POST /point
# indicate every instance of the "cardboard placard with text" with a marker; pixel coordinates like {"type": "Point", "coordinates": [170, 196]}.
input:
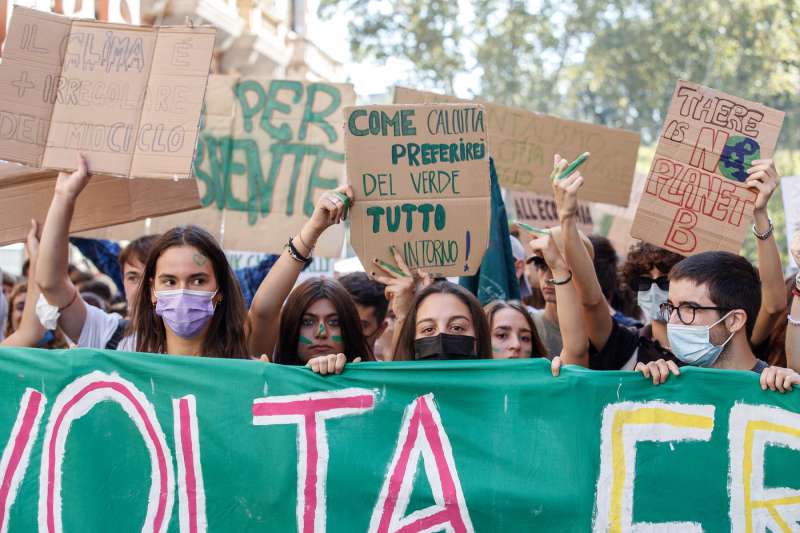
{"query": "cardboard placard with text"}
{"type": "Point", "coordinates": [128, 97]}
{"type": "Point", "coordinates": [523, 145]}
{"type": "Point", "coordinates": [694, 199]}
{"type": "Point", "coordinates": [540, 211]}
{"type": "Point", "coordinates": [420, 175]}
{"type": "Point", "coordinates": [268, 149]}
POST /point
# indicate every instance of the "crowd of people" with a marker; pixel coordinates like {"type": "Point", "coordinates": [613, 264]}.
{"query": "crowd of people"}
{"type": "Point", "coordinates": [176, 294]}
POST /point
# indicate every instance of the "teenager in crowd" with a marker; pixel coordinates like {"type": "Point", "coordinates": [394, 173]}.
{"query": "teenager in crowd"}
{"type": "Point", "coordinates": [370, 300]}
{"type": "Point", "coordinates": [547, 319]}
{"type": "Point", "coordinates": [513, 332]}
{"type": "Point", "coordinates": [606, 266]}
{"type": "Point", "coordinates": [124, 265]}
{"type": "Point", "coordinates": [189, 301]}
{"type": "Point", "coordinates": [615, 347]}
{"type": "Point", "coordinates": [714, 298]}
{"type": "Point", "coordinates": [320, 327]}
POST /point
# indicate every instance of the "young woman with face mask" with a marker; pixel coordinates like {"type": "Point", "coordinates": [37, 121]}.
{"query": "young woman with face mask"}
{"type": "Point", "coordinates": [319, 319]}
{"type": "Point", "coordinates": [189, 302]}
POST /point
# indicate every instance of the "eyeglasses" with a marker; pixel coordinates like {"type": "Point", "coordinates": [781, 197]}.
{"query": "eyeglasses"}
{"type": "Point", "coordinates": [537, 262]}
{"type": "Point", "coordinates": [643, 283]}
{"type": "Point", "coordinates": [686, 312]}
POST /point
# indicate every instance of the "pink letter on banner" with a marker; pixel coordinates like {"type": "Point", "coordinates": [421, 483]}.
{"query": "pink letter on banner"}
{"type": "Point", "coordinates": [422, 435]}
{"type": "Point", "coordinates": [17, 452]}
{"type": "Point", "coordinates": [309, 412]}
{"type": "Point", "coordinates": [77, 399]}
{"type": "Point", "coordinates": [191, 491]}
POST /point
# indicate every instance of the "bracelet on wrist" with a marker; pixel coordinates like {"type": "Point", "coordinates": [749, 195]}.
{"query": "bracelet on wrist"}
{"type": "Point", "coordinates": [295, 254]}
{"type": "Point", "coordinates": [767, 234]}
{"type": "Point", "coordinates": [793, 321]}
{"type": "Point", "coordinates": [553, 281]}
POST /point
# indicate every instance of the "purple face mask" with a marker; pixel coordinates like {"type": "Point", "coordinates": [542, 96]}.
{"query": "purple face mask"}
{"type": "Point", "coordinates": [185, 312]}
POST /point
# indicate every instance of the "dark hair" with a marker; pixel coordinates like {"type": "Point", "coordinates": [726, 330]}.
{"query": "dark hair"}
{"type": "Point", "coordinates": [98, 288]}
{"type": "Point", "coordinates": [138, 249]}
{"type": "Point", "coordinates": [493, 307]}
{"type": "Point", "coordinates": [298, 302]}
{"type": "Point", "coordinates": [56, 340]}
{"type": "Point", "coordinates": [18, 289]}
{"type": "Point", "coordinates": [644, 257]}
{"type": "Point", "coordinates": [227, 333]}
{"type": "Point", "coordinates": [367, 292]}
{"type": "Point", "coordinates": [405, 342]}
{"type": "Point", "coordinates": [772, 350]}
{"type": "Point", "coordinates": [605, 265]}
{"type": "Point", "coordinates": [731, 280]}
{"type": "Point", "coordinates": [79, 277]}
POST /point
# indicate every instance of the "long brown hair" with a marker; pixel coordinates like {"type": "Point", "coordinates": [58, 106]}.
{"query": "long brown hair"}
{"type": "Point", "coordinates": [227, 332]}
{"type": "Point", "coordinates": [298, 302]}
{"type": "Point", "coordinates": [493, 307]}
{"type": "Point", "coordinates": [483, 342]}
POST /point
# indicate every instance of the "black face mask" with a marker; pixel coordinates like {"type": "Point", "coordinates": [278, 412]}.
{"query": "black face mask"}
{"type": "Point", "coordinates": [444, 346]}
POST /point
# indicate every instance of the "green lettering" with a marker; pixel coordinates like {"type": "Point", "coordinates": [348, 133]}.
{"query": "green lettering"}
{"type": "Point", "coordinates": [408, 209]}
{"type": "Point", "coordinates": [351, 123]}
{"type": "Point", "coordinates": [282, 132]}
{"type": "Point", "coordinates": [248, 112]}
{"type": "Point", "coordinates": [375, 212]}
{"type": "Point", "coordinates": [318, 117]}
{"type": "Point", "coordinates": [439, 217]}
{"type": "Point", "coordinates": [425, 209]}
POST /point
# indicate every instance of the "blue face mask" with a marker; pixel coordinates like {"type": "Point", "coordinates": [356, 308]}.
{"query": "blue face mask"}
{"type": "Point", "coordinates": [692, 344]}
{"type": "Point", "coordinates": [650, 301]}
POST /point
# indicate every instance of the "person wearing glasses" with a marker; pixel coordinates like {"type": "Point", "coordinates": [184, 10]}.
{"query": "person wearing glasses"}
{"type": "Point", "coordinates": [714, 299]}
{"type": "Point", "coordinates": [615, 347]}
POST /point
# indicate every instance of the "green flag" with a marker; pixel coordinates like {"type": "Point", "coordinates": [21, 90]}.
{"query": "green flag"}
{"type": "Point", "coordinates": [496, 278]}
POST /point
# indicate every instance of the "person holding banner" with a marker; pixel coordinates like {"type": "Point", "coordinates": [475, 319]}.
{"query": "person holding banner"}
{"type": "Point", "coordinates": [190, 302]}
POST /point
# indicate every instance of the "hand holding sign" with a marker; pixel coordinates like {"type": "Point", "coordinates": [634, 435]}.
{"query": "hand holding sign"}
{"type": "Point", "coordinates": [763, 177]}
{"type": "Point", "coordinates": [401, 283]}
{"type": "Point", "coordinates": [72, 184]}
{"type": "Point", "coordinates": [330, 209]}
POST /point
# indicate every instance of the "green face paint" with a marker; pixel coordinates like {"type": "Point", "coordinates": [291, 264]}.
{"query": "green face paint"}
{"type": "Point", "coordinates": [305, 340]}
{"type": "Point", "coordinates": [337, 338]}
{"type": "Point", "coordinates": [495, 349]}
{"type": "Point", "coordinates": [321, 328]}
{"type": "Point", "coordinates": [391, 268]}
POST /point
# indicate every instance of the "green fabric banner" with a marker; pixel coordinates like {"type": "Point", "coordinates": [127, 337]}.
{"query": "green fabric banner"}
{"type": "Point", "coordinates": [117, 442]}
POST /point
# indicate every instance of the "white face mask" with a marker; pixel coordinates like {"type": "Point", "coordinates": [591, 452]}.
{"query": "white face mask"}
{"type": "Point", "coordinates": [692, 344]}
{"type": "Point", "coordinates": [649, 302]}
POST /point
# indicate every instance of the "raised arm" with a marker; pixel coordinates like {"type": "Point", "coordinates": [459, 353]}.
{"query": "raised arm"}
{"type": "Point", "coordinates": [30, 330]}
{"type": "Point", "coordinates": [273, 291]}
{"type": "Point", "coordinates": [52, 274]}
{"type": "Point", "coordinates": [593, 305]}
{"type": "Point", "coordinates": [570, 321]}
{"type": "Point", "coordinates": [793, 327]}
{"type": "Point", "coordinates": [763, 177]}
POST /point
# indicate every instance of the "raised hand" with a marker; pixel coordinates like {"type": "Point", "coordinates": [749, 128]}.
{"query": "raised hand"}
{"type": "Point", "coordinates": [332, 207]}
{"type": "Point", "coordinates": [566, 190]}
{"type": "Point", "coordinates": [71, 185]}
{"type": "Point", "coordinates": [763, 177]}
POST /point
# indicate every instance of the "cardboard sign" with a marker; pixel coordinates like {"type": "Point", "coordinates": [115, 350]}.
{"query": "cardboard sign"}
{"type": "Point", "coordinates": [790, 191]}
{"type": "Point", "coordinates": [540, 211]}
{"type": "Point", "coordinates": [268, 149]}
{"type": "Point", "coordinates": [420, 174]}
{"type": "Point", "coordinates": [694, 199]}
{"type": "Point", "coordinates": [128, 97]}
{"type": "Point", "coordinates": [107, 441]}
{"type": "Point", "coordinates": [523, 145]}
{"type": "Point", "coordinates": [105, 201]}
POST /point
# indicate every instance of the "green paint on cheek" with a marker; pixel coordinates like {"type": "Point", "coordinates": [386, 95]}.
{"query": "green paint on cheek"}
{"type": "Point", "coordinates": [305, 340]}
{"type": "Point", "coordinates": [337, 338]}
{"type": "Point", "coordinates": [495, 349]}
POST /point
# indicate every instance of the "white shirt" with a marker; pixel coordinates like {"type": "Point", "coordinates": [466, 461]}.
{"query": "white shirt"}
{"type": "Point", "coordinates": [100, 327]}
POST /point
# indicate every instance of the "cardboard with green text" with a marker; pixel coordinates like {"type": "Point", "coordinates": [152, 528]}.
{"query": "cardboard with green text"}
{"type": "Point", "coordinates": [420, 174]}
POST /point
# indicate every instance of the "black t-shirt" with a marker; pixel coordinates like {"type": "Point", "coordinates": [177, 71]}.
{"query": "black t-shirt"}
{"type": "Point", "coordinates": [760, 366]}
{"type": "Point", "coordinates": [623, 343]}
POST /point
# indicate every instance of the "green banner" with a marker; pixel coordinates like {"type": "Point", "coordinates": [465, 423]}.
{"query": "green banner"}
{"type": "Point", "coordinates": [117, 442]}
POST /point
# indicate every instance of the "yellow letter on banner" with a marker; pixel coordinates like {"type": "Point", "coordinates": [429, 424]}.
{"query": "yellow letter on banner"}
{"type": "Point", "coordinates": [754, 507]}
{"type": "Point", "coordinates": [625, 424]}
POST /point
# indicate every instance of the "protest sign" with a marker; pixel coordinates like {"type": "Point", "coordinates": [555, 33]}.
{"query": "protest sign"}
{"type": "Point", "coordinates": [268, 149]}
{"type": "Point", "coordinates": [105, 201]}
{"type": "Point", "coordinates": [127, 97]}
{"type": "Point", "coordinates": [109, 441]}
{"type": "Point", "coordinates": [540, 211]}
{"type": "Point", "coordinates": [790, 191]}
{"type": "Point", "coordinates": [420, 175]}
{"type": "Point", "coordinates": [523, 145]}
{"type": "Point", "coordinates": [694, 199]}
